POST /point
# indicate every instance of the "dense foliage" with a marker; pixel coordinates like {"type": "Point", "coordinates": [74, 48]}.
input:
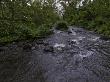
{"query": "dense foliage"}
{"type": "Point", "coordinates": [24, 19]}
{"type": "Point", "coordinates": [92, 15]}
{"type": "Point", "coordinates": [61, 25]}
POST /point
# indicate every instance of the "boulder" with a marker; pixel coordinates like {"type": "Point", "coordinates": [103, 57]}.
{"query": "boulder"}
{"type": "Point", "coordinates": [48, 49]}
{"type": "Point", "coordinates": [27, 47]}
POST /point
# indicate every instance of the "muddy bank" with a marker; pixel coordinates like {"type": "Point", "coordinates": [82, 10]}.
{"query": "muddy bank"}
{"type": "Point", "coordinates": [73, 56]}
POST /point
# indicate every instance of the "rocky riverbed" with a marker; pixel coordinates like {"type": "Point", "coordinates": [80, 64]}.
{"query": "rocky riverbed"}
{"type": "Point", "coordinates": [76, 55]}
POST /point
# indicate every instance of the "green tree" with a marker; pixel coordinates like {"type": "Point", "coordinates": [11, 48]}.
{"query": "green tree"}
{"type": "Point", "coordinates": [93, 15]}
{"type": "Point", "coordinates": [22, 18]}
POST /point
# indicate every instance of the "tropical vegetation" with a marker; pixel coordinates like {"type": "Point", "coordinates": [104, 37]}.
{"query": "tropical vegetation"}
{"type": "Point", "coordinates": [27, 19]}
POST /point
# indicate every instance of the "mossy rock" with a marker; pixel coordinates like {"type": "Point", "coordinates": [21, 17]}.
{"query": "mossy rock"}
{"type": "Point", "coordinates": [62, 25]}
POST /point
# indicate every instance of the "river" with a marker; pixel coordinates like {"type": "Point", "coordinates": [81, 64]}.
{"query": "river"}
{"type": "Point", "coordinates": [76, 55]}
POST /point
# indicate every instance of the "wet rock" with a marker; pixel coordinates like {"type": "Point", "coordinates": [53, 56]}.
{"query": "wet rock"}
{"type": "Point", "coordinates": [74, 41]}
{"type": "Point", "coordinates": [59, 32]}
{"type": "Point", "coordinates": [81, 38]}
{"type": "Point", "coordinates": [3, 49]}
{"type": "Point", "coordinates": [59, 47]}
{"type": "Point", "coordinates": [105, 38]}
{"type": "Point", "coordinates": [27, 47]}
{"type": "Point", "coordinates": [48, 49]}
{"type": "Point", "coordinates": [39, 42]}
{"type": "Point", "coordinates": [69, 32]}
{"type": "Point", "coordinates": [13, 46]}
{"type": "Point", "coordinates": [33, 48]}
{"type": "Point", "coordinates": [46, 44]}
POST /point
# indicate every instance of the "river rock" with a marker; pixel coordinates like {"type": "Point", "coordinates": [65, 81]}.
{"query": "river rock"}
{"type": "Point", "coordinates": [39, 42]}
{"type": "Point", "coordinates": [48, 49]}
{"type": "Point", "coordinates": [69, 32]}
{"type": "Point", "coordinates": [105, 38]}
{"type": "Point", "coordinates": [27, 47]}
{"type": "Point", "coordinates": [3, 49]}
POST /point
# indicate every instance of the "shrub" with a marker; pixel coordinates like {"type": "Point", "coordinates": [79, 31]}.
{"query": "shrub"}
{"type": "Point", "coordinates": [61, 25]}
{"type": "Point", "coordinates": [42, 31]}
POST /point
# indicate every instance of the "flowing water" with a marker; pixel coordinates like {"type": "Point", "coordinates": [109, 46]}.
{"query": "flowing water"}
{"type": "Point", "coordinates": [77, 55]}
